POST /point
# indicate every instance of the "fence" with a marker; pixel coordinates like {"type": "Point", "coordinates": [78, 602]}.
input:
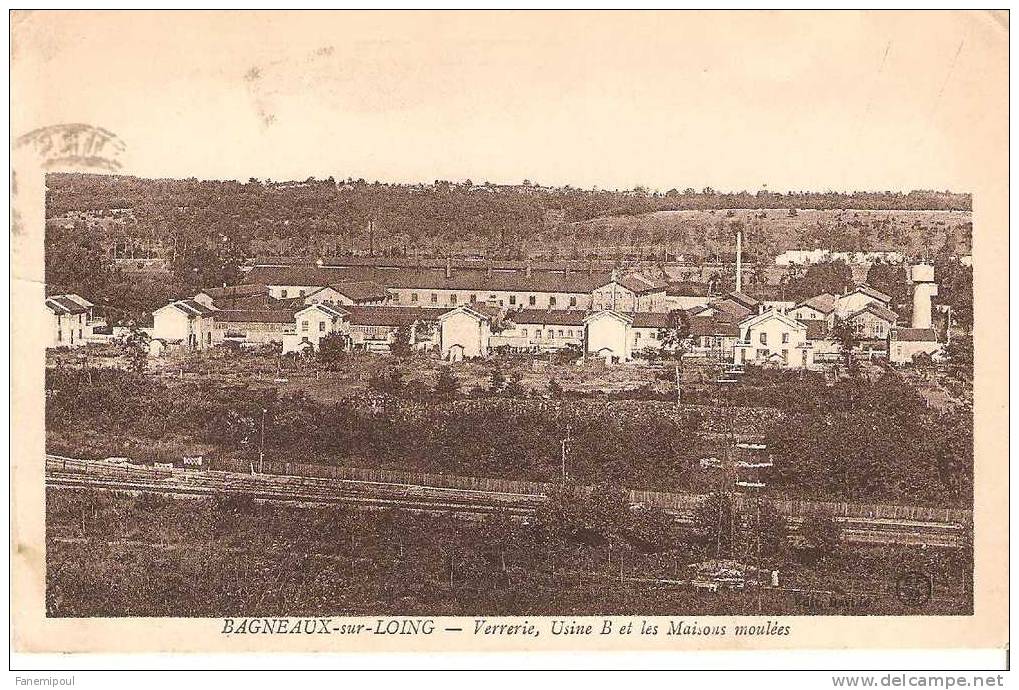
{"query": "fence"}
{"type": "Point", "coordinates": [683, 503]}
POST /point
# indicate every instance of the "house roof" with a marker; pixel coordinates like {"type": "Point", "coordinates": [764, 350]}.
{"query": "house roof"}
{"type": "Point", "coordinates": [189, 307]}
{"type": "Point", "coordinates": [878, 310]}
{"type": "Point", "coordinates": [639, 284]}
{"type": "Point", "coordinates": [686, 288]}
{"type": "Point", "coordinates": [254, 316]}
{"type": "Point", "coordinates": [872, 292]}
{"type": "Point", "coordinates": [770, 315]}
{"type": "Point", "coordinates": [390, 316]}
{"type": "Point", "coordinates": [478, 311]}
{"type": "Point", "coordinates": [548, 317]}
{"type": "Point", "coordinates": [707, 325]}
{"type": "Point", "coordinates": [925, 335]}
{"type": "Point", "coordinates": [817, 329]}
{"type": "Point", "coordinates": [824, 303]}
{"type": "Point", "coordinates": [430, 279]}
{"type": "Point", "coordinates": [361, 290]}
{"type": "Point", "coordinates": [743, 299]}
{"type": "Point", "coordinates": [610, 313]}
{"type": "Point", "coordinates": [644, 319]}
{"type": "Point", "coordinates": [242, 290]}
{"type": "Point", "coordinates": [63, 305]}
{"type": "Point", "coordinates": [328, 309]}
{"type": "Point", "coordinates": [730, 308]}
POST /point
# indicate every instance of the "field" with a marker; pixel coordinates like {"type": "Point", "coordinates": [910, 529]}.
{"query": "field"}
{"type": "Point", "coordinates": [119, 555]}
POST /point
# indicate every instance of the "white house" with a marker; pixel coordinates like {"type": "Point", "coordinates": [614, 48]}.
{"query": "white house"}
{"type": "Point", "coordinates": [774, 338]}
{"type": "Point", "coordinates": [312, 324]}
{"type": "Point", "coordinates": [854, 301]}
{"type": "Point", "coordinates": [874, 321]}
{"type": "Point", "coordinates": [69, 317]}
{"type": "Point", "coordinates": [464, 333]}
{"type": "Point", "coordinates": [362, 292]}
{"type": "Point", "coordinates": [630, 293]}
{"type": "Point", "coordinates": [542, 330]}
{"type": "Point", "coordinates": [818, 308]}
{"type": "Point", "coordinates": [905, 343]}
{"type": "Point", "coordinates": [186, 322]}
{"type": "Point", "coordinates": [608, 335]}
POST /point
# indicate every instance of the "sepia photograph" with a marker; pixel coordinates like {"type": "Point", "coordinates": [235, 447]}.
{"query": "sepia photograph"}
{"type": "Point", "coordinates": [452, 316]}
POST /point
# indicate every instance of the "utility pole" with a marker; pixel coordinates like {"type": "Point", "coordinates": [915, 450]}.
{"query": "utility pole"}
{"type": "Point", "coordinates": [679, 392]}
{"type": "Point", "coordinates": [261, 444]}
{"type": "Point", "coordinates": [565, 447]}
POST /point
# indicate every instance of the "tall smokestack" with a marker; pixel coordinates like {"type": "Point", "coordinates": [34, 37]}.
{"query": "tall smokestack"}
{"type": "Point", "coordinates": [924, 288]}
{"type": "Point", "coordinates": [739, 260]}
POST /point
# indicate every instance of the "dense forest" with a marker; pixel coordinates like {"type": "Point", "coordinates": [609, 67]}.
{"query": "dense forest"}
{"type": "Point", "coordinates": [191, 234]}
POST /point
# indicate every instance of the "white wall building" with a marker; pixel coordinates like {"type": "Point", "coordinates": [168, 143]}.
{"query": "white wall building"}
{"type": "Point", "coordinates": [776, 339]}
{"type": "Point", "coordinates": [186, 322]}
{"type": "Point", "coordinates": [69, 317]}
{"type": "Point", "coordinates": [464, 333]}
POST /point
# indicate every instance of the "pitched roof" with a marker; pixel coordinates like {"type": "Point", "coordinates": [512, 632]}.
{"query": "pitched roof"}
{"type": "Point", "coordinates": [743, 299]}
{"type": "Point", "coordinates": [190, 307]}
{"type": "Point", "coordinates": [242, 290]}
{"type": "Point", "coordinates": [548, 317]}
{"type": "Point", "coordinates": [643, 319]}
{"type": "Point", "coordinates": [925, 335]}
{"type": "Point", "coordinates": [707, 325]}
{"type": "Point", "coordinates": [330, 310]}
{"type": "Point", "coordinates": [730, 308]}
{"type": "Point", "coordinates": [772, 314]}
{"type": "Point", "coordinates": [426, 279]}
{"type": "Point", "coordinates": [608, 312]}
{"type": "Point", "coordinates": [254, 316]}
{"type": "Point", "coordinates": [872, 292]}
{"type": "Point", "coordinates": [686, 288]}
{"type": "Point", "coordinates": [361, 290]}
{"type": "Point", "coordinates": [640, 284]}
{"type": "Point", "coordinates": [390, 316]}
{"type": "Point", "coordinates": [817, 329]}
{"type": "Point", "coordinates": [876, 309]}
{"type": "Point", "coordinates": [62, 305]}
{"type": "Point", "coordinates": [824, 303]}
{"type": "Point", "coordinates": [474, 309]}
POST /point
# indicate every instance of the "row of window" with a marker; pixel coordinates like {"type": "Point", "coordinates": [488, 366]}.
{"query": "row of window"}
{"type": "Point", "coordinates": [764, 338]}
{"type": "Point", "coordinates": [551, 334]}
{"type": "Point", "coordinates": [532, 300]}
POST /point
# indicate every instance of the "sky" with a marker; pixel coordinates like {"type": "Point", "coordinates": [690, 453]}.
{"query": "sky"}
{"type": "Point", "coordinates": [790, 101]}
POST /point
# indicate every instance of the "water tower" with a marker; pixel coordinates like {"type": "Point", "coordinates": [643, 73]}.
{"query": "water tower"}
{"type": "Point", "coordinates": [924, 289]}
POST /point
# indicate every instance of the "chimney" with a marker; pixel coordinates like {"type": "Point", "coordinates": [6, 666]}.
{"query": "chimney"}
{"type": "Point", "coordinates": [739, 260]}
{"type": "Point", "coordinates": [924, 288]}
{"type": "Point", "coordinates": [488, 271]}
{"type": "Point", "coordinates": [449, 268]}
{"type": "Point", "coordinates": [528, 270]}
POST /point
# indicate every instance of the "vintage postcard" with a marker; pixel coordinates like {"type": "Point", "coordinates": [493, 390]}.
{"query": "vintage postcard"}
{"type": "Point", "coordinates": [493, 331]}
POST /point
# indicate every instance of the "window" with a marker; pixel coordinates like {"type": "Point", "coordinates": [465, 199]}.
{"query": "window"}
{"type": "Point", "coordinates": [531, 300]}
{"type": "Point", "coordinates": [79, 334]}
{"type": "Point", "coordinates": [304, 326]}
{"type": "Point", "coordinates": [560, 333]}
{"type": "Point", "coordinates": [764, 338]}
{"type": "Point", "coordinates": [301, 293]}
{"type": "Point", "coordinates": [569, 333]}
{"type": "Point", "coordinates": [413, 297]}
{"type": "Point", "coordinates": [785, 355]}
{"type": "Point", "coordinates": [803, 357]}
{"type": "Point", "coordinates": [573, 301]}
{"type": "Point", "coordinates": [637, 336]}
{"type": "Point", "coordinates": [396, 296]}
{"type": "Point", "coordinates": [551, 334]}
{"type": "Point", "coordinates": [513, 299]}
{"type": "Point", "coordinates": [60, 336]}
{"type": "Point", "coordinates": [785, 337]}
{"type": "Point", "coordinates": [283, 294]}
{"type": "Point", "coordinates": [322, 326]}
{"type": "Point", "coordinates": [452, 298]}
{"type": "Point", "coordinates": [525, 332]}
{"type": "Point", "coordinates": [474, 298]}
{"type": "Point", "coordinates": [435, 298]}
{"type": "Point", "coordinates": [551, 301]}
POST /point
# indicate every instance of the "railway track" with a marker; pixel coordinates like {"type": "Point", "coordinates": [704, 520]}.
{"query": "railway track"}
{"type": "Point", "coordinates": [72, 473]}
